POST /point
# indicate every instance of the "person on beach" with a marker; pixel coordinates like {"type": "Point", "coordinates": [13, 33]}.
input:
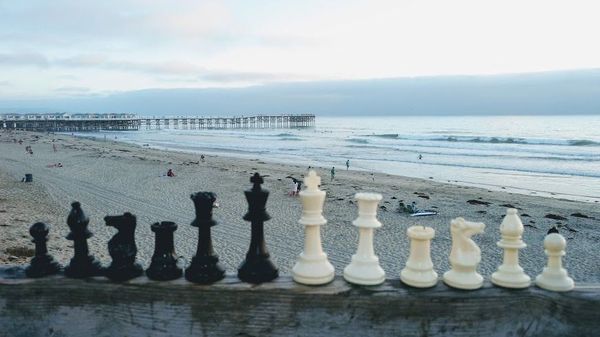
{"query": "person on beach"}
{"type": "Point", "coordinates": [332, 173]}
{"type": "Point", "coordinates": [347, 164]}
{"type": "Point", "coordinates": [170, 173]}
{"type": "Point", "coordinates": [202, 158]}
{"type": "Point", "coordinates": [420, 156]}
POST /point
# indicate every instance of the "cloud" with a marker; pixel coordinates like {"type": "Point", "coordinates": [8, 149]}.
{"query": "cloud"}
{"type": "Point", "coordinates": [23, 59]}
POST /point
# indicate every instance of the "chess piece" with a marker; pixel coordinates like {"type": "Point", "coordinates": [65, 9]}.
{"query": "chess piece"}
{"type": "Point", "coordinates": [205, 267]}
{"type": "Point", "coordinates": [82, 264]}
{"type": "Point", "coordinates": [257, 267]}
{"type": "Point", "coordinates": [419, 271]}
{"type": "Point", "coordinates": [163, 266]}
{"type": "Point", "coordinates": [122, 248]}
{"type": "Point", "coordinates": [554, 277]}
{"type": "Point", "coordinates": [464, 256]}
{"type": "Point", "coordinates": [364, 268]}
{"type": "Point", "coordinates": [510, 274]}
{"type": "Point", "coordinates": [42, 263]}
{"type": "Point", "coordinates": [312, 266]}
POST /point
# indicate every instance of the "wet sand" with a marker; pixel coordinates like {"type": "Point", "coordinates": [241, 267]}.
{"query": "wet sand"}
{"type": "Point", "coordinates": [112, 178]}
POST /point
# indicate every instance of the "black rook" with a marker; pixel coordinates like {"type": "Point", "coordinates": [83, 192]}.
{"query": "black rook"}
{"type": "Point", "coordinates": [122, 248]}
{"type": "Point", "coordinates": [164, 261]}
{"type": "Point", "coordinates": [257, 267]}
{"type": "Point", "coordinates": [205, 267]}
{"type": "Point", "coordinates": [42, 263]}
{"type": "Point", "coordinates": [82, 264]}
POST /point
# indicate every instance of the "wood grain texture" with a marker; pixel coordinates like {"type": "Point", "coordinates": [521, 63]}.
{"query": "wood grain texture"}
{"type": "Point", "coordinates": [57, 306]}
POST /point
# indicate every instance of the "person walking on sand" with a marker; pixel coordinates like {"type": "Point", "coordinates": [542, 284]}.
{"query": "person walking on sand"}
{"type": "Point", "coordinates": [170, 173]}
{"type": "Point", "coordinates": [54, 147]}
{"type": "Point", "coordinates": [347, 164]}
{"type": "Point", "coordinates": [332, 173]}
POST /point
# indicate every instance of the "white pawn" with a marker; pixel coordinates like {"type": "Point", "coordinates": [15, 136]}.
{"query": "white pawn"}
{"type": "Point", "coordinates": [364, 268]}
{"type": "Point", "coordinates": [464, 256]}
{"type": "Point", "coordinates": [419, 271]}
{"type": "Point", "coordinates": [510, 274]}
{"type": "Point", "coordinates": [312, 266]}
{"type": "Point", "coordinates": [555, 277]}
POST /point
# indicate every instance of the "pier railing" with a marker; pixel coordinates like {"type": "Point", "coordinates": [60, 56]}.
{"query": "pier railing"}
{"type": "Point", "coordinates": [128, 122]}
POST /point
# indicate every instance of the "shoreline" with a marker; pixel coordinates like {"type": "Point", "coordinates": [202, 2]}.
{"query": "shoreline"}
{"type": "Point", "coordinates": [116, 177]}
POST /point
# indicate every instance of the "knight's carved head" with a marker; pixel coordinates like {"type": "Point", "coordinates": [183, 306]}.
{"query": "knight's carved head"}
{"type": "Point", "coordinates": [120, 222]}
{"type": "Point", "coordinates": [466, 228]}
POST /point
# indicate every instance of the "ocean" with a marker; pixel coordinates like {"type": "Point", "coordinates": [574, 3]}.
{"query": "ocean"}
{"type": "Point", "coordinates": [556, 156]}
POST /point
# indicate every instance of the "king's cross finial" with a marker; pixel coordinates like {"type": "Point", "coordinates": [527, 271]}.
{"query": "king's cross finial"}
{"type": "Point", "coordinates": [312, 181]}
{"type": "Point", "coordinates": [257, 180]}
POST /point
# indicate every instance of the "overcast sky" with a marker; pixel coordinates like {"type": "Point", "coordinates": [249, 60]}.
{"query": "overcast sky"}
{"type": "Point", "coordinates": [63, 48]}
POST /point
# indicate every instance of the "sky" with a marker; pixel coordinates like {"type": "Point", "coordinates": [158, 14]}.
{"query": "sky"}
{"type": "Point", "coordinates": [72, 48]}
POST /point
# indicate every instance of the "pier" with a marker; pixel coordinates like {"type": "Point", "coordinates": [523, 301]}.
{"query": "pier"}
{"type": "Point", "coordinates": [131, 122]}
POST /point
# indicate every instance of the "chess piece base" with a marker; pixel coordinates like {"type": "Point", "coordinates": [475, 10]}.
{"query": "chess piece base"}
{"type": "Point", "coordinates": [123, 273]}
{"type": "Point", "coordinates": [419, 278]}
{"type": "Point", "coordinates": [315, 270]}
{"type": "Point", "coordinates": [204, 270]}
{"type": "Point", "coordinates": [516, 279]}
{"type": "Point", "coordinates": [364, 271]}
{"type": "Point", "coordinates": [554, 281]}
{"type": "Point", "coordinates": [164, 270]}
{"type": "Point", "coordinates": [84, 267]}
{"type": "Point", "coordinates": [463, 280]}
{"type": "Point", "coordinates": [257, 270]}
{"type": "Point", "coordinates": [42, 266]}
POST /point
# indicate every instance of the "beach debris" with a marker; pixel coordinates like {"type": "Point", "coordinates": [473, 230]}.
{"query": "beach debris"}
{"type": "Point", "coordinates": [525, 215]}
{"type": "Point", "coordinates": [257, 267]}
{"type": "Point", "coordinates": [581, 215]}
{"type": "Point", "coordinates": [478, 202]}
{"type": "Point", "coordinates": [553, 229]}
{"type": "Point", "coordinates": [83, 264]}
{"type": "Point", "coordinates": [554, 217]}
{"type": "Point", "coordinates": [205, 267]}
{"type": "Point", "coordinates": [163, 266]}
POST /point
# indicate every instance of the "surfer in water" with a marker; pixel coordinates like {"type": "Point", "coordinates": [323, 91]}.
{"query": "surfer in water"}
{"type": "Point", "coordinates": [420, 157]}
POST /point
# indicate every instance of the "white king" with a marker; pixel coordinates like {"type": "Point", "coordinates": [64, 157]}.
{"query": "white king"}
{"type": "Point", "coordinates": [510, 274]}
{"type": "Point", "coordinates": [312, 266]}
{"type": "Point", "coordinates": [464, 256]}
{"type": "Point", "coordinates": [364, 268]}
{"type": "Point", "coordinates": [419, 271]}
{"type": "Point", "coordinates": [555, 277]}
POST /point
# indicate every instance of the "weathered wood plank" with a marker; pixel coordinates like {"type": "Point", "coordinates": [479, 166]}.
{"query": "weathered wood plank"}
{"type": "Point", "coordinates": [57, 306]}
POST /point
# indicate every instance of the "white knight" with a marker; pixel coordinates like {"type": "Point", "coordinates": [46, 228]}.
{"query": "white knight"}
{"type": "Point", "coordinates": [464, 256]}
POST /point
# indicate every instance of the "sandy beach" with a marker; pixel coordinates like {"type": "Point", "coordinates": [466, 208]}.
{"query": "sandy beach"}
{"type": "Point", "coordinates": [108, 177]}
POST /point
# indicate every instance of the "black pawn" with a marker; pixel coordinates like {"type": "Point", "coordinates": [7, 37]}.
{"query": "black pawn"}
{"type": "Point", "coordinates": [42, 263]}
{"type": "Point", "coordinates": [164, 261]}
{"type": "Point", "coordinates": [122, 248]}
{"type": "Point", "coordinates": [257, 267]}
{"type": "Point", "coordinates": [82, 264]}
{"type": "Point", "coordinates": [205, 267]}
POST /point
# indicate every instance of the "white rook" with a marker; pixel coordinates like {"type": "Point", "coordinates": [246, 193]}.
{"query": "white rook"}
{"type": "Point", "coordinates": [419, 271]}
{"type": "Point", "coordinates": [464, 256]}
{"type": "Point", "coordinates": [510, 274]}
{"type": "Point", "coordinates": [555, 277]}
{"type": "Point", "coordinates": [312, 266]}
{"type": "Point", "coordinates": [364, 268]}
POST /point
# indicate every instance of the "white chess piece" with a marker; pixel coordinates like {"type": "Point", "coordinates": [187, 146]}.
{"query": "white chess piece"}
{"type": "Point", "coordinates": [464, 256]}
{"type": "Point", "coordinates": [364, 268]}
{"type": "Point", "coordinates": [419, 271]}
{"type": "Point", "coordinates": [510, 274]}
{"type": "Point", "coordinates": [555, 277]}
{"type": "Point", "coordinates": [312, 266]}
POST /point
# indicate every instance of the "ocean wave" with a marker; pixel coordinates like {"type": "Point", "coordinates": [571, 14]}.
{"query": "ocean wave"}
{"type": "Point", "coordinates": [583, 142]}
{"type": "Point", "coordinates": [384, 135]}
{"type": "Point", "coordinates": [358, 140]}
{"type": "Point", "coordinates": [291, 138]}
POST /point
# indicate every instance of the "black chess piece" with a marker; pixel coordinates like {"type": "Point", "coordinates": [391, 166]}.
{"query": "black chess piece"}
{"type": "Point", "coordinates": [122, 248]}
{"type": "Point", "coordinates": [205, 267]}
{"type": "Point", "coordinates": [82, 264]}
{"type": "Point", "coordinates": [164, 261]}
{"type": "Point", "coordinates": [42, 263]}
{"type": "Point", "coordinates": [257, 267]}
